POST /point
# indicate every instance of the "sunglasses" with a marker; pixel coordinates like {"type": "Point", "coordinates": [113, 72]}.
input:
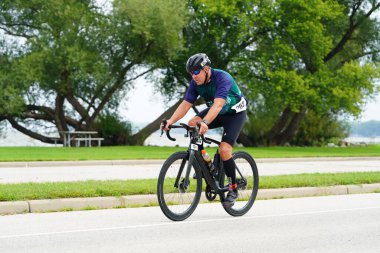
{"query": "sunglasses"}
{"type": "Point", "coordinates": [196, 72]}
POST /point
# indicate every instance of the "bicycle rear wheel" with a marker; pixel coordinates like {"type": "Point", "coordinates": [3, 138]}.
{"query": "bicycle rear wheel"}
{"type": "Point", "coordinates": [176, 198]}
{"type": "Point", "coordinates": [248, 183]}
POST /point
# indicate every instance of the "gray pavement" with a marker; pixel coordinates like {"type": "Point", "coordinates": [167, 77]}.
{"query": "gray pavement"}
{"type": "Point", "coordinates": [327, 224]}
{"type": "Point", "coordinates": [136, 169]}
{"type": "Point", "coordinates": [104, 170]}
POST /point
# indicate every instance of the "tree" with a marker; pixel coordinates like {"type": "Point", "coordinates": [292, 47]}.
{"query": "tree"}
{"type": "Point", "coordinates": [79, 59]}
{"type": "Point", "coordinates": [319, 56]}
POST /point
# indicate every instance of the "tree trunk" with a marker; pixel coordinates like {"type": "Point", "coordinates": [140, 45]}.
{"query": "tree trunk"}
{"type": "Point", "coordinates": [155, 125]}
{"type": "Point", "coordinates": [245, 140]}
{"type": "Point", "coordinates": [32, 134]}
{"type": "Point", "coordinates": [60, 114]}
{"type": "Point", "coordinates": [280, 124]}
{"type": "Point", "coordinates": [291, 129]}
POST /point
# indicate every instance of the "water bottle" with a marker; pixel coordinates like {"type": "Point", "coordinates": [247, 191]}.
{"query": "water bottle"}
{"type": "Point", "coordinates": [207, 159]}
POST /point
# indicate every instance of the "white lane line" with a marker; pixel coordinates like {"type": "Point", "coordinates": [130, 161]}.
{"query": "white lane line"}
{"type": "Point", "coordinates": [186, 222]}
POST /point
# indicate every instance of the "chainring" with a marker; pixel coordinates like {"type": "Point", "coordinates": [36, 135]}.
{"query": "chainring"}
{"type": "Point", "coordinates": [210, 193]}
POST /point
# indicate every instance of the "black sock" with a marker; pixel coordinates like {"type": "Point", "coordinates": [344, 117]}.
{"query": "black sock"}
{"type": "Point", "coordinates": [229, 168]}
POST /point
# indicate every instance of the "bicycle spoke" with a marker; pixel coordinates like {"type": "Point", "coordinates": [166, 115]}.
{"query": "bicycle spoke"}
{"type": "Point", "coordinates": [247, 180]}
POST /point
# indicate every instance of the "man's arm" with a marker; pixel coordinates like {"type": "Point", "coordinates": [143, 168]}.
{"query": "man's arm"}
{"type": "Point", "coordinates": [181, 111]}
{"type": "Point", "coordinates": [214, 110]}
{"type": "Point", "coordinates": [212, 113]}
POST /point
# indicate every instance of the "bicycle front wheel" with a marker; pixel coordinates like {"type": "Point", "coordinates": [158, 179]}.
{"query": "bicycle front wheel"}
{"type": "Point", "coordinates": [178, 197]}
{"type": "Point", "coordinates": [247, 178]}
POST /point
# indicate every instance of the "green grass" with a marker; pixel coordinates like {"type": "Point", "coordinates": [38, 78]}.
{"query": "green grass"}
{"type": "Point", "coordinates": [11, 154]}
{"type": "Point", "coordinates": [90, 188]}
{"type": "Point", "coordinates": [319, 179]}
{"type": "Point", "coordinates": [32, 191]}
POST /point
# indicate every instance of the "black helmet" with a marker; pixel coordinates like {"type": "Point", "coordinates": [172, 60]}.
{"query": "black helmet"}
{"type": "Point", "coordinates": [197, 61]}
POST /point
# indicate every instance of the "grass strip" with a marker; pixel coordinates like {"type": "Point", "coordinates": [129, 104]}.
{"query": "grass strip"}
{"type": "Point", "coordinates": [13, 154]}
{"type": "Point", "coordinates": [94, 188]}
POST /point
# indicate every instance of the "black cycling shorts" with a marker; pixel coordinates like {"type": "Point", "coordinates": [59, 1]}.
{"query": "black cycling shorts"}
{"type": "Point", "coordinates": [231, 123]}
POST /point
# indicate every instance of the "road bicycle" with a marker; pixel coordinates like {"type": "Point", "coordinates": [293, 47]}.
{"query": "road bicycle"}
{"type": "Point", "coordinates": [179, 184]}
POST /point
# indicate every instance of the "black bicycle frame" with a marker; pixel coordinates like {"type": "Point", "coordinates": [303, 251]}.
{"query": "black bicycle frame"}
{"type": "Point", "coordinates": [196, 158]}
{"type": "Point", "coordinates": [198, 162]}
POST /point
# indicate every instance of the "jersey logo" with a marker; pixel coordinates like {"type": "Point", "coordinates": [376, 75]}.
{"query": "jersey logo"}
{"type": "Point", "coordinates": [241, 106]}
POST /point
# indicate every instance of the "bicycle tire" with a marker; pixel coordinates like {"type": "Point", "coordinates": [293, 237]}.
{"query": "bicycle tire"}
{"type": "Point", "coordinates": [247, 196]}
{"type": "Point", "coordinates": [175, 202]}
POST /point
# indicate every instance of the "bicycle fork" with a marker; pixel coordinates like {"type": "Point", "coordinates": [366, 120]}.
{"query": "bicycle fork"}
{"type": "Point", "coordinates": [185, 182]}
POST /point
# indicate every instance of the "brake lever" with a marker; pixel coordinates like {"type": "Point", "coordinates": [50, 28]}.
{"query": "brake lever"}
{"type": "Point", "coordinates": [164, 122]}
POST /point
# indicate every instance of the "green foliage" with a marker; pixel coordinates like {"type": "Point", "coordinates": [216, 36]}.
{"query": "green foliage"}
{"type": "Point", "coordinates": [11, 97]}
{"type": "Point", "coordinates": [346, 89]}
{"type": "Point", "coordinates": [78, 59]}
{"type": "Point", "coordinates": [290, 65]}
{"type": "Point", "coordinates": [152, 26]}
{"type": "Point", "coordinates": [290, 61]}
{"type": "Point", "coordinates": [318, 130]}
{"type": "Point", "coordinates": [114, 130]}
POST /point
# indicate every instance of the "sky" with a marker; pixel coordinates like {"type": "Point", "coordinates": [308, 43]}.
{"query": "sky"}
{"type": "Point", "coordinates": [143, 104]}
{"type": "Point", "coordinates": [143, 99]}
{"type": "Point", "coordinates": [372, 110]}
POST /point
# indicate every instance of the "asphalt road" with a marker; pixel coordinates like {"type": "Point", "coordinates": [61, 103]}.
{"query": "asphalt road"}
{"type": "Point", "coordinates": [50, 172]}
{"type": "Point", "coordinates": [348, 223]}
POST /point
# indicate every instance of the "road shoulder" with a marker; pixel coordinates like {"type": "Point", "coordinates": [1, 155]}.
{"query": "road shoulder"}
{"type": "Point", "coordinates": [74, 204]}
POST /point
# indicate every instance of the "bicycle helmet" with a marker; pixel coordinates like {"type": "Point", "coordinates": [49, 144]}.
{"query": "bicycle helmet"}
{"type": "Point", "coordinates": [197, 61]}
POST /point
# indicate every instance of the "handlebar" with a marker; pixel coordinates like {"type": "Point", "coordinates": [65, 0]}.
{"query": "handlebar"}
{"type": "Point", "coordinates": [188, 128]}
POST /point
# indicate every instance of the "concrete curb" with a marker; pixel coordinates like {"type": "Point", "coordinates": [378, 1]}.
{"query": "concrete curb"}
{"type": "Point", "coordinates": [160, 162]}
{"type": "Point", "coordinates": [50, 205]}
{"type": "Point", "coordinates": [33, 206]}
{"type": "Point", "coordinates": [14, 207]}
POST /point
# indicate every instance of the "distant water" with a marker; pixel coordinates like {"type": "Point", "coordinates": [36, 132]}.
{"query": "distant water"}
{"type": "Point", "coordinates": [13, 139]}
{"type": "Point", "coordinates": [360, 139]}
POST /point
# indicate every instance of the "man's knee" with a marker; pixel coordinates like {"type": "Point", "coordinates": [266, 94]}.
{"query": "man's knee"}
{"type": "Point", "coordinates": [225, 151]}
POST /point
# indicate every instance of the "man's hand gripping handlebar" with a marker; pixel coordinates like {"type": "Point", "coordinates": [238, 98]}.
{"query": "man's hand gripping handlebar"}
{"type": "Point", "coordinates": [186, 127]}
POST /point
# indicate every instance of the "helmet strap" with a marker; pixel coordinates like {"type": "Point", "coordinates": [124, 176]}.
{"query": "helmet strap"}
{"type": "Point", "coordinates": [206, 77]}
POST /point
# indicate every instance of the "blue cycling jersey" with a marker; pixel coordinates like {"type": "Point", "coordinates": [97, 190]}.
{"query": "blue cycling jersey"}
{"type": "Point", "coordinates": [221, 85]}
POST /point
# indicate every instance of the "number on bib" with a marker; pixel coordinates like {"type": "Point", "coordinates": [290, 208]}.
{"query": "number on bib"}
{"type": "Point", "coordinates": [241, 106]}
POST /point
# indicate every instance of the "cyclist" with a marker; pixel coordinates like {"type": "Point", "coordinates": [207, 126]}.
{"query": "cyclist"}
{"type": "Point", "coordinates": [226, 108]}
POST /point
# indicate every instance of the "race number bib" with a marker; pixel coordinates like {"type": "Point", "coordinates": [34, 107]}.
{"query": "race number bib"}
{"type": "Point", "coordinates": [241, 106]}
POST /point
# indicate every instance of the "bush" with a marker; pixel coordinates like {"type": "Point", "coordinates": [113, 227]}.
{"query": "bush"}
{"type": "Point", "coordinates": [114, 131]}
{"type": "Point", "coordinates": [318, 130]}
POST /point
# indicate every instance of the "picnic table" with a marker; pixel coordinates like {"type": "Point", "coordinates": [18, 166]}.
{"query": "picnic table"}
{"type": "Point", "coordinates": [78, 136]}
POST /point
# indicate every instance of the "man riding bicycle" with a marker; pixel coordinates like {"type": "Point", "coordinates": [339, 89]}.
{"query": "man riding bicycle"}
{"type": "Point", "coordinates": [226, 108]}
